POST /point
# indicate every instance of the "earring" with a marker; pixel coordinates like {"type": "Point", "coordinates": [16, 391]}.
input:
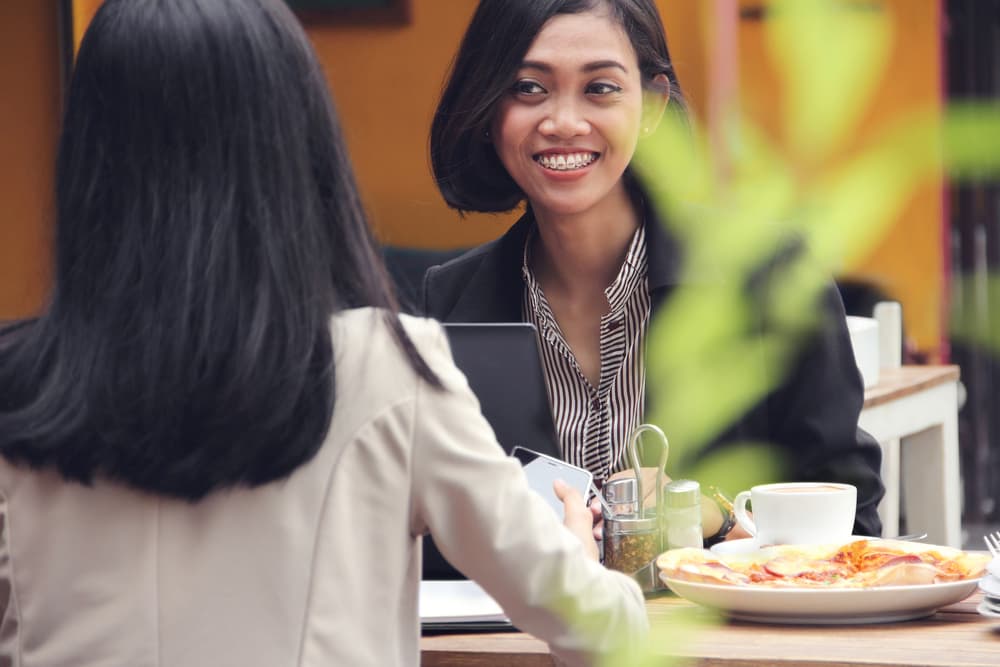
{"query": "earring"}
{"type": "Point", "coordinates": [486, 134]}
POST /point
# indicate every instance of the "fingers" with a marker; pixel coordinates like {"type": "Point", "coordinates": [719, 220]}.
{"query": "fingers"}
{"type": "Point", "coordinates": [711, 517]}
{"type": "Point", "coordinates": [573, 502]}
{"type": "Point", "coordinates": [578, 517]}
{"type": "Point", "coordinates": [595, 509]}
{"type": "Point", "coordinates": [737, 533]}
{"type": "Point", "coordinates": [621, 474]}
{"type": "Point", "coordinates": [563, 489]}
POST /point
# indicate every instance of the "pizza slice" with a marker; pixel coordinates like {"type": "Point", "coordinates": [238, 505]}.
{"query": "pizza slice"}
{"type": "Point", "coordinates": [862, 563]}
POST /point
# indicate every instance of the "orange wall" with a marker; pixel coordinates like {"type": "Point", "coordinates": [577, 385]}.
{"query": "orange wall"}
{"type": "Point", "coordinates": [29, 81]}
{"type": "Point", "coordinates": [386, 100]}
{"type": "Point", "coordinates": [386, 80]}
{"type": "Point", "coordinates": [908, 262]}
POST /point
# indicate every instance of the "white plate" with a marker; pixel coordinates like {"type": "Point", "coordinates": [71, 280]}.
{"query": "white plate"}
{"type": "Point", "coordinates": [990, 585]}
{"type": "Point", "coordinates": [994, 567]}
{"type": "Point", "coordinates": [840, 606]}
{"type": "Point", "coordinates": [988, 610]}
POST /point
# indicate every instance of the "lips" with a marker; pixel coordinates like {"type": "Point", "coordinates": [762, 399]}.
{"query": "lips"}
{"type": "Point", "coordinates": [566, 160]}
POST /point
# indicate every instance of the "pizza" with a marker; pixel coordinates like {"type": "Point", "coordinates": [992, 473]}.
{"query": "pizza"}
{"type": "Point", "coordinates": [863, 563]}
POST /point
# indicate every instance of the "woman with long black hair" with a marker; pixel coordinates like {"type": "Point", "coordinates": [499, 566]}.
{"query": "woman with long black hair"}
{"type": "Point", "coordinates": [220, 443]}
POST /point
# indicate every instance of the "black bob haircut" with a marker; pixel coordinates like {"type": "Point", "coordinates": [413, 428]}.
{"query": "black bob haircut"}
{"type": "Point", "coordinates": [468, 171]}
{"type": "Point", "coordinates": [207, 227]}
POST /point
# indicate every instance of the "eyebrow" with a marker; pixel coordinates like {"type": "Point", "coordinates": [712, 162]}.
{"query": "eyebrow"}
{"type": "Point", "coordinates": [588, 67]}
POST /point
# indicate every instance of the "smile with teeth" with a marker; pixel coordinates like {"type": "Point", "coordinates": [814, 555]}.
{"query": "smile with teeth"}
{"type": "Point", "coordinates": [566, 161]}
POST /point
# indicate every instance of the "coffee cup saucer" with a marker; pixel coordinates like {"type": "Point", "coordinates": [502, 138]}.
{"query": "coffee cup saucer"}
{"type": "Point", "coordinates": [746, 545]}
{"type": "Point", "coordinates": [749, 545]}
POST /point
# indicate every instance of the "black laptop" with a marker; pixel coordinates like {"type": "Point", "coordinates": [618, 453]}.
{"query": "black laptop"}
{"type": "Point", "coordinates": [504, 370]}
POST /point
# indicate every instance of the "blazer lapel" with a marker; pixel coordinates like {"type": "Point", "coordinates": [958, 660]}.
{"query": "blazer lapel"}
{"type": "Point", "coordinates": [495, 290]}
{"type": "Point", "coordinates": [664, 258]}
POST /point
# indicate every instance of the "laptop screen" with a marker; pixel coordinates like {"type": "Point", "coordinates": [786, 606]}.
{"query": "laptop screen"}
{"type": "Point", "coordinates": [504, 370]}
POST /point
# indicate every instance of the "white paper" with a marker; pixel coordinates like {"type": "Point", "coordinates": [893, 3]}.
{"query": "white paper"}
{"type": "Point", "coordinates": [457, 602]}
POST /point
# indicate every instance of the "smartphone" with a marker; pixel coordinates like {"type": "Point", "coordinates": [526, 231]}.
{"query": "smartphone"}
{"type": "Point", "coordinates": [542, 471]}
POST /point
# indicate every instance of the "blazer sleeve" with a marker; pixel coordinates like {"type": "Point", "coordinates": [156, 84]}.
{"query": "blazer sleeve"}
{"type": "Point", "coordinates": [496, 530]}
{"type": "Point", "coordinates": [814, 415]}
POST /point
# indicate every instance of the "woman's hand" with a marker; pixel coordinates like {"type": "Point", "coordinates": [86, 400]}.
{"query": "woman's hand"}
{"type": "Point", "coordinates": [712, 521]}
{"type": "Point", "coordinates": [579, 518]}
{"type": "Point", "coordinates": [595, 509]}
{"type": "Point", "coordinates": [737, 533]}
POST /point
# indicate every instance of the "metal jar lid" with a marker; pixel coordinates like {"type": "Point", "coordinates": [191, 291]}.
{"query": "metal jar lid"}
{"type": "Point", "coordinates": [620, 490]}
{"type": "Point", "coordinates": [682, 493]}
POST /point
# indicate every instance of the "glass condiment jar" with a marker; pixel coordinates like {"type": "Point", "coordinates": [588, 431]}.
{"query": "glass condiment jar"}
{"type": "Point", "coordinates": [630, 541]}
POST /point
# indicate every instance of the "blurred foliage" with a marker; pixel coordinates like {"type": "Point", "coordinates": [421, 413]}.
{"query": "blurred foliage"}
{"type": "Point", "coordinates": [735, 206]}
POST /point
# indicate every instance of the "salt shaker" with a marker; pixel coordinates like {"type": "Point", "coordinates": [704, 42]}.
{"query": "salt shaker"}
{"type": "Point", "coordinates": [682, 514]}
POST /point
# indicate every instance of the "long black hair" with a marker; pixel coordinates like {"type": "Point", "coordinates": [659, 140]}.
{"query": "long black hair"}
{"type": "Point", "coordinates": [208, 226]}
{"type": "Point", "coordinates": [468, 171]}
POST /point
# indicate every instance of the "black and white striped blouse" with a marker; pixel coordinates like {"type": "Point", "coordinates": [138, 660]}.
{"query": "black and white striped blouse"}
{"type": "Point", "coordinates": [594, 423]}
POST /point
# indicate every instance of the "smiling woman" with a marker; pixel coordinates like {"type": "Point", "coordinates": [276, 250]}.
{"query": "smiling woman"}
{"type": "Point", "coordinates": [568, 127]}
{"type": "Point", "coordinates": [554, 119]}
{"type": "Point", "coordinates": [546, 104]}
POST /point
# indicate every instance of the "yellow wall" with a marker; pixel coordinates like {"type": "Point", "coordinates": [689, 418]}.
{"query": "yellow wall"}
{"type": "Point", "coordinates": [386, 80]}
{"type": "Point", "coordinates": [909, 262]}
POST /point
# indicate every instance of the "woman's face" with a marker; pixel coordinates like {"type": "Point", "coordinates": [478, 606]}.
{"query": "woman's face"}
{"type": "Point", "coordinates": [568, 127]}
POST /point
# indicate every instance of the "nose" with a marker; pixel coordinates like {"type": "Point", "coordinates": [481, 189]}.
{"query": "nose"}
{"type": "Point", "coordinates": [564, 119]}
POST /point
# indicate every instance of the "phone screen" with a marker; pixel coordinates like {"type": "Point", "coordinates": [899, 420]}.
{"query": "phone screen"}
{"type": "Point", "coordinates": [542, 471]}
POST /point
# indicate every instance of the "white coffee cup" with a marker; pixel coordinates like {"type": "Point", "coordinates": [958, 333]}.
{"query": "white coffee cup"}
{"type": "Point", "coordinates": [798, 512]}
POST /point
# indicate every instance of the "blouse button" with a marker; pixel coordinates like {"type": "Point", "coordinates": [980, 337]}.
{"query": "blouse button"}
{"type": "Point", "coordinates": [614, 324]}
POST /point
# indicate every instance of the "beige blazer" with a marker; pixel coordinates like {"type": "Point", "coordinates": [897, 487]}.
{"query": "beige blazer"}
{"type": "Point", "coordinates": [319, 569]}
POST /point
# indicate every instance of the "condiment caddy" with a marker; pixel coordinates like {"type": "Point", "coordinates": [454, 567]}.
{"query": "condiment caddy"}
{"type": "Point", "coordinates": [634, 535]}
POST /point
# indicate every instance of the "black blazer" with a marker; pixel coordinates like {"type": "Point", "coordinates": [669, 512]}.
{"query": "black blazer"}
{"type": "Point", "coordinates": [812, 415]}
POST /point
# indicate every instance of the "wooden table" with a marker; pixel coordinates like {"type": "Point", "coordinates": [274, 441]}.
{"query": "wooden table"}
{"type": "Point", "coordinates": [913, 413]}
{"type": "Point", "coordinates": [956, 636]}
